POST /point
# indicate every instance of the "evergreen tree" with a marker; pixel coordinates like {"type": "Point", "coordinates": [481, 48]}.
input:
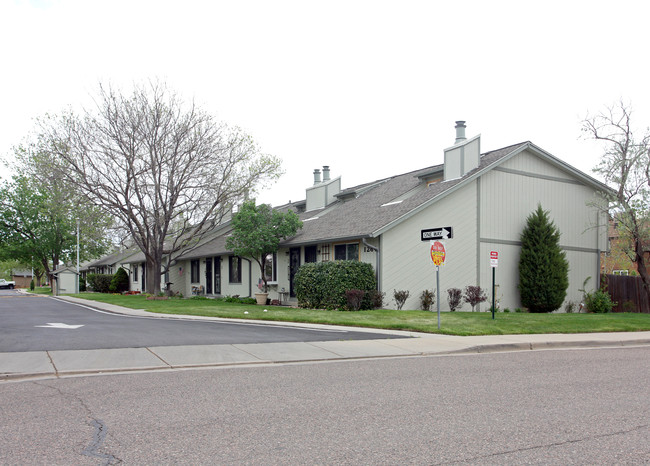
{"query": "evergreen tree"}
{"type": "Point", "coordinates": [543, 268]}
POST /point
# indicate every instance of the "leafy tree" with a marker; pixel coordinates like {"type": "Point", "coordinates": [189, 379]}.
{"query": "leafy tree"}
{"type": "Point", "coordinates": [164, 168]}
{"type": "Point", "coordinates": [543, 268]}
{"type": "Point", "coordinates": [625, 165]}
{"type": "Point", "coordinates": [38, 224]}
{"type": "Point", "coordinates": [257, 232]}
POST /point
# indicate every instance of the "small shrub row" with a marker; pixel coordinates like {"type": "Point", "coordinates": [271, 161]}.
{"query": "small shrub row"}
{"type": "Point", "coordinates": [472, 295]}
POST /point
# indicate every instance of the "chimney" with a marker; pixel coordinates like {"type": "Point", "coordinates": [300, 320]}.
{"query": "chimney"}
{"type": "Point", "coordinates": [326, 173]}
{"type": "Point", "coordinates": [316, 176]}
{"type": "Point", "coordinates": [460, 131]}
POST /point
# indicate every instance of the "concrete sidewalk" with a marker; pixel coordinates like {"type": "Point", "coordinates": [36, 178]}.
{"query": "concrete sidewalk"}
{"type": "Point", "coordinates": [66, 363]}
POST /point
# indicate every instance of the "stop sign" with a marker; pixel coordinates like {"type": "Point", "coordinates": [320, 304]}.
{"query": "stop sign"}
{"type": "Point", "coordinates": [438, 253]}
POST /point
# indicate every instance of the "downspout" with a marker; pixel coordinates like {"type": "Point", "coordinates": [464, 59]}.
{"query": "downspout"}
{"type": "Point", "coordinates": [378, 259]}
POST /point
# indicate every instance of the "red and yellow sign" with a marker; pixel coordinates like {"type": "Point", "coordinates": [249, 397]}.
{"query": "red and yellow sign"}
{"type": "Point", "coordinates": [438, 253]}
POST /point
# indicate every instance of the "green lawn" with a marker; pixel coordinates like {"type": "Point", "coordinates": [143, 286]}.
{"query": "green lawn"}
{"type": "Point", "coordinates": [452, 323]}
{"type": "Point", "coordinates": [41, 290]}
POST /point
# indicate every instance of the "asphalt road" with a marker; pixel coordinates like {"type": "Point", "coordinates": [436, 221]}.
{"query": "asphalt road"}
{"type": "Point", "coordinates": [543, 407]}
{"type": "Point", "coordinates": [31, 323]}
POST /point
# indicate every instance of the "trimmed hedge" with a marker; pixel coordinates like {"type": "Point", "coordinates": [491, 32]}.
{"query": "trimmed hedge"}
{"type": "Point", "coordinates": [323, 285]}
{"type": "Point", "coordinates": [99, 282]}
{"type": "Point", "coordinates": [120, 281]}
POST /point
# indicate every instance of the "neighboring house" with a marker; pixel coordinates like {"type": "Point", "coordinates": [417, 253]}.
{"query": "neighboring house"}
{"type": "Point", "coordinates": [484, 198]}
{"type": "Point", "coordinates": [64, 280]}
{"type": "Point", "coordinates": [23, 278]}
{"type": "Point", "coordinates": [616, 260]}
{"type": "Point", "coordinates": [108, 264]}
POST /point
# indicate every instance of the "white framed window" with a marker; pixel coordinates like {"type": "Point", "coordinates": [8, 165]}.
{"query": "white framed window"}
{"type": "Point", "coordinates": [346, 252]}
{"type": "Point", "coordinates": [621, 272]}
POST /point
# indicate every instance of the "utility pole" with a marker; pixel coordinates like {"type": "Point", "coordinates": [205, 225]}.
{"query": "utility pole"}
{"type": "Point", "coordinates": [77, 281]}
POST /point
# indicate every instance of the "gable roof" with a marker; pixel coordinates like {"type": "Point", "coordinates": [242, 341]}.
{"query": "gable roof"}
{"type": "Point", "coordinates": [378, 206]}
{"type": "Point", "coordinates": [370, 209]}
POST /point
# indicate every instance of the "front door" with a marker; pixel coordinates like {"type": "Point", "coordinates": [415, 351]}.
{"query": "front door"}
{"type": "Point", "coordinates": [208, 275]}
{"type": "Point", "coordinates": [294, 265]}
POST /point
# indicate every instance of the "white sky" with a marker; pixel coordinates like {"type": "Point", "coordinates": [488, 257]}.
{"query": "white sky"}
{"type": "Point", "coordinates": [371, 88]}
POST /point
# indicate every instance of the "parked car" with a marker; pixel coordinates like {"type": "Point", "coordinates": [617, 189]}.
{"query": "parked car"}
{"type": "Point", "coordinates": [7, 284]}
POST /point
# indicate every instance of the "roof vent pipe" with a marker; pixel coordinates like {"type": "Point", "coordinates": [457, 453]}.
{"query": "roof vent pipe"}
{"type": "Point", "coordinates": [316, 176]}
{"type": "Point", "coordinates": [326, 173]}
{"type": "Point", "coordinates": [460, 131]}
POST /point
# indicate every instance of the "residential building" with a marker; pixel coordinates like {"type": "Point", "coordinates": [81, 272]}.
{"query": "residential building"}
{"type": "Point", "coordinates": [484, 198]}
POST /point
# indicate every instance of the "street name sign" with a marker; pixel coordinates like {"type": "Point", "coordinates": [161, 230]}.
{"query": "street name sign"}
{"type": "Point", "coordinates": [436, 233]}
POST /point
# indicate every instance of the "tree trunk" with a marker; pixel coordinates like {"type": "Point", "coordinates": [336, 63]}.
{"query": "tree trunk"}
{"type": "Point", "coordinates": [152, 279]}
{"type": "Point", "coordinates": [641, 266]}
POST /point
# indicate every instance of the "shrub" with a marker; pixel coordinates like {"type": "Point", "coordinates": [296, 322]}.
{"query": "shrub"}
{"type": "Point", "coordinates": [454, 298]}
{"type": "Point", "coordinates": [400, 298]}
{"type": "Point", "coordinates": [82, 285]}
{"type": "Point", "coordinates": [427, 299]}
{"type": "Point", "coordinates": [323, 284]}
{"type": "Point", "coordinates": [376, 299]}
{"type": "Point", "coordinates": [570, 307]}
{"type": "Point", "coordinates": [100, 282]}
{"type": "Point", "coordinates": [31, 285]}
{"type": "Point", "coordinates": [354, 299]}
{"type": "Point", "coordinates": [598, 301]}
{"type": "Point", "coordinates": [474, 295]}
{"type": "Point", "coordinates": [543, 267]}
{"type": "Point", "coordinates": [120, 281]}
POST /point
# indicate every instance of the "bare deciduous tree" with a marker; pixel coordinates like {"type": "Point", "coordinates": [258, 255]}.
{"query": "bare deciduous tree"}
{"type": "Point", "coordinates": [167, 170]}
{"type": "Point", "coordinates": [625, 165]}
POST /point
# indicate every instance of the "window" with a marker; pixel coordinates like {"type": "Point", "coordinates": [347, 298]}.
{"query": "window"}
{"type": "Point", "coordinates": [346, 252]}
{"type": "Point", "coordinates": [134, 273]}
{"type": "Point", "coordinates": [271, 268]}
{"type": "Point", "coordinates": [194, 271]}
{"type": "Point", "coordinates": [325, 252]}
{"type": "Point", "coordinates": [234, 269]}
{"type": "Point", "coordinates": [621, 272]}
{"type": "Point", "coordinates": [311, 254]}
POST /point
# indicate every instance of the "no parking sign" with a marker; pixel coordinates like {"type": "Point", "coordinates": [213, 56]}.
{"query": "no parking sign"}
{"type": "Point", "coordinates": [438, 253]}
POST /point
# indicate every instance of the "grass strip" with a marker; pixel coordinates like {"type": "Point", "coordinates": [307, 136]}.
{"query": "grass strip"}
{"type": "Point", "coordinates": [452, 323]}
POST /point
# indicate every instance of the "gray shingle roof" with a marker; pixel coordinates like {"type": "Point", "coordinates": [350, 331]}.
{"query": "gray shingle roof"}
{"type": "Point", "coordinates": [383, 203]}
{"type": "Point", "coordinates": [368, 209]}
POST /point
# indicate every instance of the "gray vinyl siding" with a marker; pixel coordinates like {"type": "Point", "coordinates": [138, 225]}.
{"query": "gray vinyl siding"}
{"type": "Point", "coordinates": [405, 259]}
{"type": "Point", "coordinates": [509, 194]}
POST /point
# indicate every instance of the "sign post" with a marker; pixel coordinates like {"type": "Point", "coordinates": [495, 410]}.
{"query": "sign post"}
{"type": "Point", "coordinates": [494, 263]}
{"type": "Point", "coordinates": [438, 256]}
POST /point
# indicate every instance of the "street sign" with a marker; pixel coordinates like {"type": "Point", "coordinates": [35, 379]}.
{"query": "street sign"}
{"type": "Point", "coordinates": [494, 258]}
{"type": "Point", "coordinates": [438, 253]}
{"type": "Point", "coordinates": [436, 233]}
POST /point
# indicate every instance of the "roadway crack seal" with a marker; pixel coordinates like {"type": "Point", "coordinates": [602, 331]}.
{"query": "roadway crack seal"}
{"type": "Point", "coordinates": [552, 444]}
{"type": "Point", "coordinates": [100, 429]}
{"type": "Point", "coordinates": [56, 371]}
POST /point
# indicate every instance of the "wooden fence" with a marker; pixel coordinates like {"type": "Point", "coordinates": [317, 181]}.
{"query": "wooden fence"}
{"type": "Point", "coordinates": [628, 293]}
